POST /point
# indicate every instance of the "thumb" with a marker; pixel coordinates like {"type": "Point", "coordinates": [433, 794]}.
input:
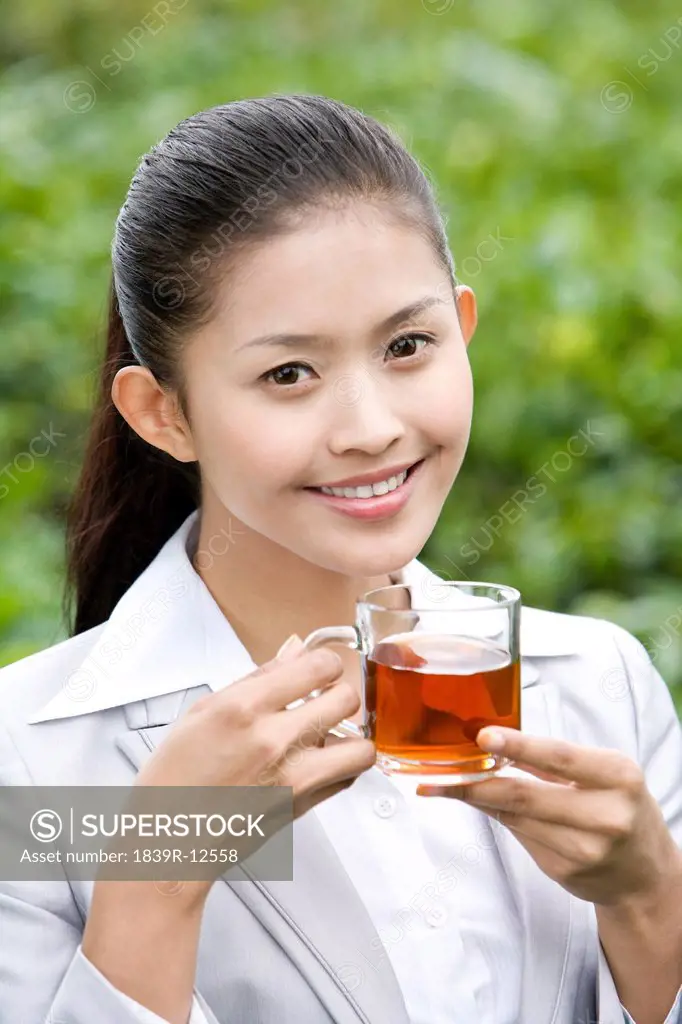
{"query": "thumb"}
{"type": "Point", "coordinates": [291, 647]}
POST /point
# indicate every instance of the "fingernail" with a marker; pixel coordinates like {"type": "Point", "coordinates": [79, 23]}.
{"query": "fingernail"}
{"type": "Point", "coordinates": [491, 739]}
{"type": "Point", "coordinates": [291, 646]}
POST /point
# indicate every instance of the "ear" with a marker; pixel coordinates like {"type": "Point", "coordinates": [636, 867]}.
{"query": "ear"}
{"type": "Point", "coordinates": [468, 313]}
{"type": "Point", "coordinates": [152, 412]}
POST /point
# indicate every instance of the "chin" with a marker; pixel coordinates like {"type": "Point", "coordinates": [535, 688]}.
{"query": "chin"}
{"type": "Point", "coordinates": [381, 557]}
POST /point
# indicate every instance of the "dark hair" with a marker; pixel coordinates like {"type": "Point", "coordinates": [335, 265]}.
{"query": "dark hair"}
{"type": "Point", "coordinates": [221, 180]}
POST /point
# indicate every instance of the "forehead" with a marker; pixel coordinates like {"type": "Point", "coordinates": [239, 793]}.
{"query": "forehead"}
{"type": "Point", "coordinates": [356, 264]}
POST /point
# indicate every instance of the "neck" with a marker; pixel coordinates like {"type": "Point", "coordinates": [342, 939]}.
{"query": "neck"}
{"type": "Point", "coordinates": [268, 592]}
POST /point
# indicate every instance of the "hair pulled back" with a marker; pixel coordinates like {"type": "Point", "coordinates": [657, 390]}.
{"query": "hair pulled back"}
{"type": "Point", "coordinates": [220, 181]}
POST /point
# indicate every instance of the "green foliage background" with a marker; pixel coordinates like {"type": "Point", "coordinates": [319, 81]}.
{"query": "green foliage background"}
{"type": "Point", "coordinates": [554, 128]}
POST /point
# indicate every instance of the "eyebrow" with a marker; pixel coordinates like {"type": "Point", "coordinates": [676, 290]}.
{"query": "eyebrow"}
{"type": "Point", "coordinates": [405, 314]}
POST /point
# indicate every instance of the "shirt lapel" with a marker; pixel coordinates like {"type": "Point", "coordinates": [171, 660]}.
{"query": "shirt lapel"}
{"type": "Point", "coordinates": [318, 919]}
{"type": "Point", "coordinates": [156, 642]}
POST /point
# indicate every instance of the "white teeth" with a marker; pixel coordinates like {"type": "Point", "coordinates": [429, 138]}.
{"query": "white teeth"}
{"type": "Point", "coordinates": [368, 490]}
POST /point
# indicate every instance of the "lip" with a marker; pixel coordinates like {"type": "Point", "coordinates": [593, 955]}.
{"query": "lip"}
{"type": "Point", "coordinates": [371, 478]}
{"type": "Point", "coordinates": [382, 506]}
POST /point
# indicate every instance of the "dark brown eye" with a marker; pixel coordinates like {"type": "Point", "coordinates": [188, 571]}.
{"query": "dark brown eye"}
{"type": "Point", "coordinates": [406, 344]}
{"type": "Point", "coordinates": [280, 373]}
{"type": "Point", "coordinates": [284, 374]}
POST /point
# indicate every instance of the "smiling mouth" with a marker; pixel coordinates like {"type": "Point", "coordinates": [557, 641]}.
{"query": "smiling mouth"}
{"type": "Point", "coordinates": [368, 491]}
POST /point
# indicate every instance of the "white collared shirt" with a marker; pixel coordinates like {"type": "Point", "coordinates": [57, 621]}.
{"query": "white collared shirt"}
{"type": "Point", "coordinates": [427, 869]}
{"type": "Point", "coordinates": [430, 876]}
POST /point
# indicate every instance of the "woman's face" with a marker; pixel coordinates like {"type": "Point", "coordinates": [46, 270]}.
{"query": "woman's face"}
{"type": "Point", "coordinates": [300, 381]}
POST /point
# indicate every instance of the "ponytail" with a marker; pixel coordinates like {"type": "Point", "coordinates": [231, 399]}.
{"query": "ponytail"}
{"type": "Point", "coordinates": [129, 499]}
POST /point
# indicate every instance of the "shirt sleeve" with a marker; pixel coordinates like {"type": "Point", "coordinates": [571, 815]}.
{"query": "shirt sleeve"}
{"type": "Point", "coordinates": [674, 1017]}
{"type": "Point", "coordinates": [658, 730]}
{"type": "Point", "coordinates": [135, 1012]}
{"type": "Point", "coordinates": [659, 742]}
{"type": "Point", "coordinates": [40, 924]}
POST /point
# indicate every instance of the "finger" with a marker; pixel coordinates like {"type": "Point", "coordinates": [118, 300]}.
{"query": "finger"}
{"type": "Point", "coordinates": [538, 774]}
{"type": "Point", "coordinates": [562, 842]}
{"type": "Point", "coordinates": [285, 681]}
{"type": "Point", "coordinates": [289, 649]}
{"type": "Point", "coordinates": [588, 766]}
{"type": "Point", "coordinates": [332, 738]}
{"type": "Point", "coordinates": [306, 727]}
{"type": "Point", "coordinates": [449, 788]}
{"type": "Point", "coordinates": [560, 839]}
{"type": "Point", "coordinates": [311, 721]}
{"type": "Point", "coordinates": [541, 801]}
{"type": "Point", "coordinates": [571, 844]}
{"type": "Point", "coordinates": [325, 766]}
{"type": "Point", "coordinates": [554, 804]}
{"type": "Point", "coordinates": [429, 789]}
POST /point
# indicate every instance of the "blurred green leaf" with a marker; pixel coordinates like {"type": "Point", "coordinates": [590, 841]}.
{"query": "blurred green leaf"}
{"type": "Point", "coordinates": [540, 124]}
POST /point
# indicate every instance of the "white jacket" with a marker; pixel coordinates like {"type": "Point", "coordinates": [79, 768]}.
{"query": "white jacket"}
{"type": "Point", "coordinates": [91, 709]}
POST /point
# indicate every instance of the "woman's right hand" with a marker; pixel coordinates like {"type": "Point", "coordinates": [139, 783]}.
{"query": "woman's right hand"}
{"type": "Point", "coordinates": [243, 735]}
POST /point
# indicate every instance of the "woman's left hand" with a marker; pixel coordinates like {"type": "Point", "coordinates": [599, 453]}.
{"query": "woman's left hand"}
{"type": "Point", "coordinates": [589, 821]}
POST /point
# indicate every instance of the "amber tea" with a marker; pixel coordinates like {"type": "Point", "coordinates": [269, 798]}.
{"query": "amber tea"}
{"type": "Point", "coordinates": [428, 695]}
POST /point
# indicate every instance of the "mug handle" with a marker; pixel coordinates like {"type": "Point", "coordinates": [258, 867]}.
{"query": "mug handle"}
{"type": "Point", "coordinates": [346, 636]}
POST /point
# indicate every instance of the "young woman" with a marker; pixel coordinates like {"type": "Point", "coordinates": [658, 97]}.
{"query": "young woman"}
{"type": "Point", "coordinates": [284, 318]}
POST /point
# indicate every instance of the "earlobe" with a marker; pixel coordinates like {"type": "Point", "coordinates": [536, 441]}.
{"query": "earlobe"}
{"type": "Point", "coordinates": [468, 313]}
{"type": "Point", "coordinates": [150, 412]}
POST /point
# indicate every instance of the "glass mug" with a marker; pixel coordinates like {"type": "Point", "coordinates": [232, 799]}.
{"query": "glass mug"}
{"type": "Point", "coordinates": [433, 675]}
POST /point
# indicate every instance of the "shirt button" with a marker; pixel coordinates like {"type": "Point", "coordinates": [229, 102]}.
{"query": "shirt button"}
{"type": "Point", "coordinates": [384, 806]}
{"type": "Point", "coordinates": [435, 917]}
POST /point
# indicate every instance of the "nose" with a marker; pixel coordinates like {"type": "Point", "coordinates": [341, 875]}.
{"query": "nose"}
{"type": "Point", "coordinates": [364, 418]}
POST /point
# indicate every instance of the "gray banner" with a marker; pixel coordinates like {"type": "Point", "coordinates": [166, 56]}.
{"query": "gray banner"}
{"type": "Point", "coordinates": [154, 833]}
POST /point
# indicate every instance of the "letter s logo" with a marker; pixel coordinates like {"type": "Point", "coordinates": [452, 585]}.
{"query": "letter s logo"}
{"type": "Point", "coordinates": [45, 825]}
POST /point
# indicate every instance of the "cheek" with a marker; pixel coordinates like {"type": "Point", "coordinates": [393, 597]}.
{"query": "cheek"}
{"type": "Point", "coordinates": [449, 404]}
{"type": "Point", "coordinates": [246, 453]}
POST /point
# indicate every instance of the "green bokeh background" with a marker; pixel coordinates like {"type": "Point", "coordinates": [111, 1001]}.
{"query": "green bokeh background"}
{"type": "Point", "coordinates": [551, 130]}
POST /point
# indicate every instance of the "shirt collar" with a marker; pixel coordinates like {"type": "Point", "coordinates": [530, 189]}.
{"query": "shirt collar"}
{"type": "Point", "coordinates": [167, 634]}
